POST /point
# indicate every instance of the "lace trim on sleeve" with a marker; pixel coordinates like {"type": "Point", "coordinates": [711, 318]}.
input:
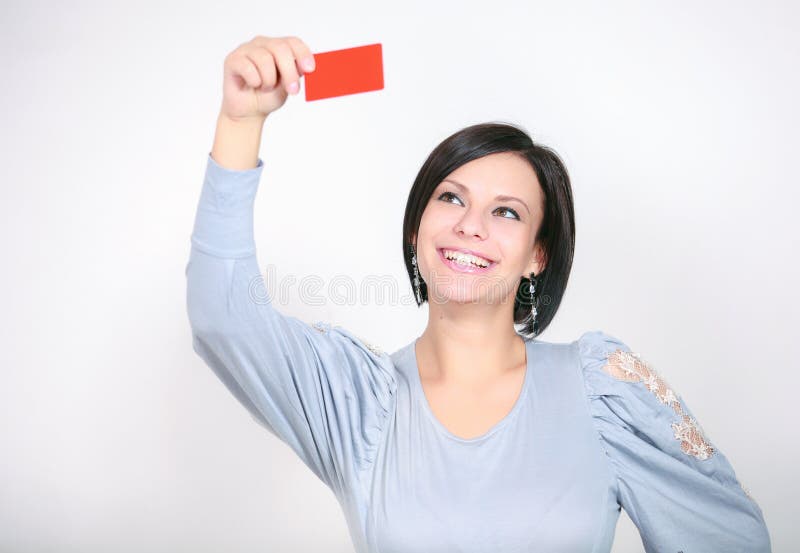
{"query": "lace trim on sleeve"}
{"type": "Point", "coordinates": [324, 326]}
{"type": "Point", "coordinates": [373, 348]}
{"type": "Point", "coordinates": [630, 367]}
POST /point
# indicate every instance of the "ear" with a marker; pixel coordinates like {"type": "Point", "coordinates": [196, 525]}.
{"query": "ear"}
{"type": "Point", "coordinates": [537, 263]}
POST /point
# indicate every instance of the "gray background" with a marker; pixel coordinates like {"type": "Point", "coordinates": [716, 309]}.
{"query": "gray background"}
{"type": "Point", "coordinates": [677, 122]}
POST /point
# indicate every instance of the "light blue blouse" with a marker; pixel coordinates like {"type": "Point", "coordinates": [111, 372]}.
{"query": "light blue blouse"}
{"type": "Point", "coordinates": [595, 428]}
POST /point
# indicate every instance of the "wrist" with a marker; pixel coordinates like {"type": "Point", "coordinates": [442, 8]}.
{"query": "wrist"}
{"type": "Point", "coordinates": [237, 141]}
{"type": "Point", "coordinates": [241, 122]}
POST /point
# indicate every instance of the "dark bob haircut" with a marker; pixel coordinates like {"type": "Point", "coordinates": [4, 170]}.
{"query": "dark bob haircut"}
{"type": "Point", "coordinates": [556, 235]}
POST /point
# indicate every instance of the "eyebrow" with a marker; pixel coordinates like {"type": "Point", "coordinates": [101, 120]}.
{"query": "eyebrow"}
{"type": "Point", "coordinates": [501, 197]}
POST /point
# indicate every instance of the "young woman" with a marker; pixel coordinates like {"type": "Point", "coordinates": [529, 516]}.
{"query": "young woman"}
{"type": "Point", "coordinates": [477, 436]}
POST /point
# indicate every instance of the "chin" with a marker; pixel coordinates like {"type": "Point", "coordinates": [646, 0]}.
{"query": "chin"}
{"type": "Point", "coordinates": [459, 295]}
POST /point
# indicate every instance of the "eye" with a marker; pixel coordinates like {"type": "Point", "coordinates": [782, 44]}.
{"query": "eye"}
{"type": "Point", "coordinates": [509, 210]}
{"type": "Point", "coordinates": [449, 195]}
{"type": "Point", "coordinates": [514, 214]}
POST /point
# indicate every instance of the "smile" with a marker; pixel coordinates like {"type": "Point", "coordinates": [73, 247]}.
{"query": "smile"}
{"type": "Point", "coordinates": [463, 262]}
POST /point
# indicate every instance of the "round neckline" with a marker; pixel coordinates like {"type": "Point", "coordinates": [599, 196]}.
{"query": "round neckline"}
{"type": "Point", "coordinates": [415, 376]}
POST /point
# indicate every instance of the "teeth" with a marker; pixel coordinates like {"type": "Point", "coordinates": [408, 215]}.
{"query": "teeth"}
{"type": "Point", "coordinates": [466, 259]}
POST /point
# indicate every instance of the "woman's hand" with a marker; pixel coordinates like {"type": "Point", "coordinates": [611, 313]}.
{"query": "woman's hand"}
{"type": "Point", "coordinates": [260, 74]}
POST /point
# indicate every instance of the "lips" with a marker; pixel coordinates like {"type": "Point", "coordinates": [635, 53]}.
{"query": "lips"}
{"type": "Point", "coordinates": [471, 252]}
{"type": "Point", "coordinates": [464, 268]}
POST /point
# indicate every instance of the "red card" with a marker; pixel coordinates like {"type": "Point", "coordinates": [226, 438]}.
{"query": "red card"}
{"type": "Point", "coordinates": [347, 71]}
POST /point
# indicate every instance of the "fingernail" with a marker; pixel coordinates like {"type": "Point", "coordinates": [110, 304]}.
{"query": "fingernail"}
{"type": "Point", "coordinates": [293, 87]}
{"type": "Point", "coordinates": [308, 63]}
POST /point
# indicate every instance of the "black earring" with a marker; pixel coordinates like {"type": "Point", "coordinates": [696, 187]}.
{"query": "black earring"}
{"type": "Point", "coordinates": [417, 278]}
{"type": "Point", "coordinates": [534, 301]}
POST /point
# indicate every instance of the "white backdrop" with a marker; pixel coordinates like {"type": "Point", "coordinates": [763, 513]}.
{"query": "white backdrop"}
{"type": "Point", "coordinates": [677, 122]}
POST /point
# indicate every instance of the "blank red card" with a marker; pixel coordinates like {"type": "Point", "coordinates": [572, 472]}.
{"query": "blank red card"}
{"type": "Point", "coordinates": [347, 71]}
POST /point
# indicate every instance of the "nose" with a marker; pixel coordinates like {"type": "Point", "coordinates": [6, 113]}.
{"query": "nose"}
{"type": "Point", "coordinates": [471, 224]}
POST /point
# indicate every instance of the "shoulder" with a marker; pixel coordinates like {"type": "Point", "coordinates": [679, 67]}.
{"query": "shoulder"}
{"type": "Point", "coordinates": [343, 335]}
{"type": "Point", "coordinates": [605, 355]}
{"type": "Point", "coordinates": [324, 327]}
{"type": "Point", "coordinates": [606, 361]}
{"type": "Point", "coordinates": [337, 345]}
{"type": "Point", "coordinates": [354, 361]}
{"type": "Point", "coordinates": [597, 345]}
{"type": "Point", "coordinates": [622, 382]}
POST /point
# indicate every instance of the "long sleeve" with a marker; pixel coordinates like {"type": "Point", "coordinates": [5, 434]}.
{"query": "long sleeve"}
{"type": "Point", "coordinates": [677, 487]}
{"type": "Point", "coordinates": [320, 389]}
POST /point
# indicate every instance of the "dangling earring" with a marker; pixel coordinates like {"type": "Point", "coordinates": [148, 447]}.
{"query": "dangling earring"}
{"type": "Point", "coordinates": [534, 301]}
{"type": "Point", "coordinates": [416, 274]}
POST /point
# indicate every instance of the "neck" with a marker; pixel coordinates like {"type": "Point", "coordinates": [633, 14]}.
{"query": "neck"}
{"type": "Point", "coordinates": [470, 343]}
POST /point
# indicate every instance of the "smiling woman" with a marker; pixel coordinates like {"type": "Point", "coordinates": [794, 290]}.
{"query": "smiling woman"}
{"type": "Point", "coordinates": [475, 436]}
{"type": "Point", "coordinates": [491, 180]}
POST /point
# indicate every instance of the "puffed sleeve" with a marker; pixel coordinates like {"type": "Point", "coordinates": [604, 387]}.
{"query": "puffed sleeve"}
{"type": "Point", "coordinates": [677, 487]}
{"type": "Point", "coordinates": [320, 389]}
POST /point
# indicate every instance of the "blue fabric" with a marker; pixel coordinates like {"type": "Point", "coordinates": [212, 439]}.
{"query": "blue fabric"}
{"type": "Point", "coordinates": [578, 445]}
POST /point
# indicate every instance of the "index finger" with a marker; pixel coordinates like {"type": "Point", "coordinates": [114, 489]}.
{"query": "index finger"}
{"type": "Point", "coordinates": [302, 53]}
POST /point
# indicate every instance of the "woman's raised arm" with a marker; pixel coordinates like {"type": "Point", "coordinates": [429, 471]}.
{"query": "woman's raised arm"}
{"type": "Point", "coordinates": [319, 389]}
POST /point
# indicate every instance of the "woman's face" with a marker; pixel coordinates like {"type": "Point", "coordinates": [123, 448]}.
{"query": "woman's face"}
{"type": "Point", "coordinates": [472, 209]}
